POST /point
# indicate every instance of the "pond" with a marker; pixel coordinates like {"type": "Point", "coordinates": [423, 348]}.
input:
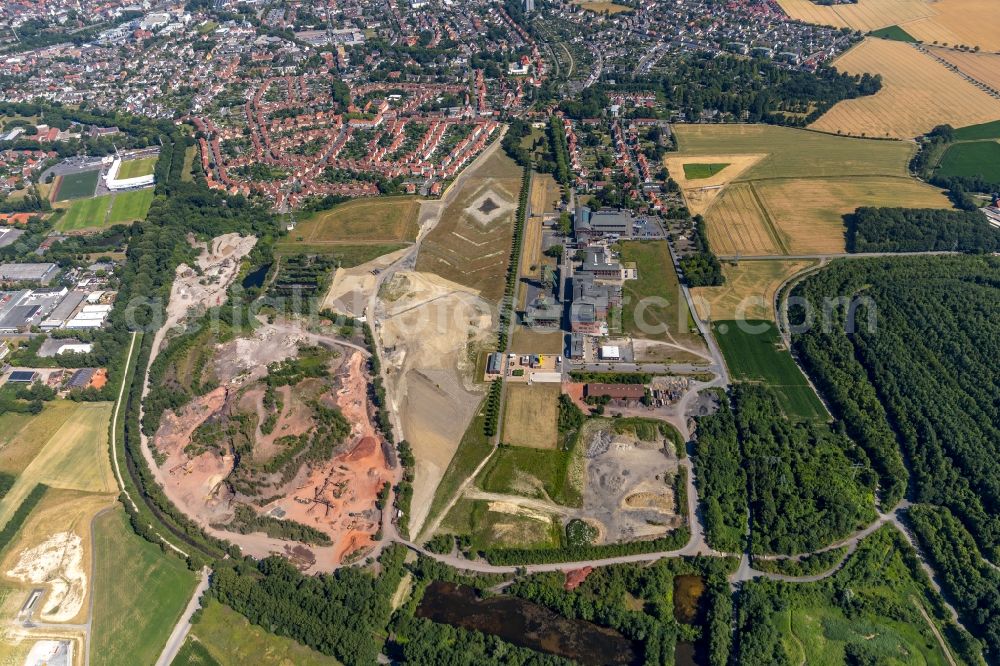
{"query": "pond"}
{"type": "Point", "coordinates": [255, 278]}
{"type": "Point", "coordinates": [687, 597]}
{"type": "Point", "coordinates": [528, 625]}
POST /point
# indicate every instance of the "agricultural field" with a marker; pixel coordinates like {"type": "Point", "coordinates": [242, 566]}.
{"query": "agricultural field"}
{"type": "Point", "coordinates": [753, 352]}
{"type": "Point", "coordinates": [601, 7]}
{"type": "Point", "coordinates": [789, 193]}
{"type": "Point", "coordinates": [896, 618]}
{"type": "Point", "coordinates": [749, 289]}
{"type": "Point", "coordinates": [231, 640]}
{"type": "Point", "coordinates": [702, 170]}
{"type": "Point", "coordinates": [974, 158]}
{"type": "Point", "coordinates": [495, 524]}
{"type": "Point", "coordinates": [139, 593]}
{"type": "Point", "coordinates": [667, 319]}
{"type": "Point", "coordinates": [984, 67]}
{"type": "Point", "coordinates": [66, 446]}
{"type": "Point", "coordinates": [76, 185]}
{"type": "Point", "coordinates": [864, 16]}
{"type": "Point", "coordinates": [136, 168]}
{"type": "Point", "coordinates": [130, 206]}
{"type": "Point", "coordinates": [917, 94]}
{"type": "Point", "coordinates": [381, 220]}
{"type": "Point", "coordinates": [547, 474]}
{"type": "Point", "coordinates": [471, 243]}
{"type": "Point", "coordinates": [531, 414]}
{"type": "Point", "coordinates": [977, 132]}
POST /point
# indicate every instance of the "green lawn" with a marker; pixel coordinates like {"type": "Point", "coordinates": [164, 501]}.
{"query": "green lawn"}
{"type": "Point", "coordinates": [518, 470]}
{"type": "Point", "coordinates": [989, 130]}
{"type": "Point", "coordinates": [978, 158]}
{"type": "Point", "coordinates": [139, 594]}
{"type": "Point", "coordinates": [77, 185]}
{"type": "Point", "coordinates": [698, 170]}
{"type": "Point", "coordinates": [85, 214]}
{"type": "Point", "coordinates": [893, 32]}
{"type": "Point", "coordinates": [135, 168]}
{"type": "Point", "coordinates": [130, 206]}
{"type": "Point", "coordinates": [758, 357]}
{"type": "Point", "coordinates": [654, 306]}
{"type": "Point", "coordinates": [229, 639]}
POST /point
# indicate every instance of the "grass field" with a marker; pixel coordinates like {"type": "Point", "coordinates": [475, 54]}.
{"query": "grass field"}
{"type": "Point", "coordinates": [348, 255]}
{"type": "Point", "coordinates": [654, 308]}
{"type": "Point", "coordinates": [382, 220]}
{"type": "Point", "coordinates": [85, 214]}
{"type": "Point", "coordinates": [977, 132]}
{"type": "Point", "coordinates": [531, 414]}
{"type": "Point", "coordinates": [893, 32]}
{"type": "Point", "coordinates": [139, 593]}
{"type": "Point", "coordinates": [698, 171]}
{"type": "Point", "coordinates": [758, 356]}
{"type": "Point", "coordinates": [471, 243]}
{"type": "Point", "coordinates": [539, 473]}
{"type": "Point", "coordinates": [749, 289]}
{"type": "Point", "coordinates": [502, 525]}
{"type": "Point", "coordinates": [976, 158]}
{"type": "Point", "coordinates": [231, 640]}
{"type": "Point", "coordinates": [895, 618]}
{"type": "Point", "coordinates": [529, 341]}
{"type": "Point", "coordinates": [531, 248]}
{"type": "Point", "coordinates": [917, 94]}
{"type": "Point", "coordinates": [130, 206]}
{"type": "Point", "coordinates": [189, 155]}
{"type": "Point", "coordinates": [66, 446]}
{"type": "Point", "coordinates": [135, 168]}
{"type": "Point", "coordinates": [471, 451]}
{"type": "Point", "coordinates": [790, 196]}
{"type": "Point", "coordinates": [545, 193]}
{"type": "Point", "coordinates": [77, 185]}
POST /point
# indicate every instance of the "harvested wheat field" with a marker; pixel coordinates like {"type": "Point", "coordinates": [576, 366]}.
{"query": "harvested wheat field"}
{"type": "Point", "coordinates": [983, 67]}
{"type": "Point", "coordinates": [866, 15]}
{"type": "Point", "coordinates": [959, 22]}
{"type": "Point", "coordinates": [749, 289]}
{"type": "Point", "coordinates": [531, 415]}
{"type": "Point", "coordinates": [701, 192]}
{"type": "Point", "coordinates": [917, 94]}
{"type": "Point", "coordinates": [738, 224]}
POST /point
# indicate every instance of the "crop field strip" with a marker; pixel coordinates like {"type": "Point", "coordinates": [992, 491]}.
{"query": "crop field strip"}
{"type": "Point", "coordinates": [749, 289]}
{"type": "Point", "coordinates": [917, 94]}
{"type": "Point", "coordinates": [984, 67]}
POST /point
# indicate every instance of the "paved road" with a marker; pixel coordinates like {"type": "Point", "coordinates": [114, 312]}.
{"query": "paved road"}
{"type": "Point", "coordinates": [183, 625]}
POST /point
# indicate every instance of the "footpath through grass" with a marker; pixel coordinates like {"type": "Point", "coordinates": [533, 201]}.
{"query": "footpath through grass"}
{"type": "Point", "coordinates": [139, 594]}
{"type": "Point", "coordinates": [753, 352]}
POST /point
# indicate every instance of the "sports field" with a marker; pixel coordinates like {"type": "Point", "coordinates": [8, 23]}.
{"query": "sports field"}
{"type": "Point", "coordinates": [471, 244]}
{"type": "Point", "coordinates": [531, 414]}
{"type": "Point", "coordinates": [382, 220]}
{"type": "Point", "coordinates": [749, 289]}
{"type": "Point", "coordinates": [130, 206]}
{"type": "Point", "coordinates": [601, 7]}
{"type": "Point", "coordinates": [754, 352]}
{"type": "Point", "coordinates": [66, 446]}
{"type": "Point", "coordinates": [701, 170]}
{"type": "Point", "coordinates": [76, 185]}
{"type": "Point", "coordinates": [85, 214]}
{"type": "Point", "coordinates": [653, 306]}
{"type": "Point", "coordinates": [975, 158]}
{"type": "Point", "coordinates": [789, 194]}
{"type": "Point", "coordinates": [135, 168]}
{"type": "Point", "coordinates": [917, 94]}
{"type": "Point", "coordinates": [139, 593]}
{"type": "Point", "coordinates": [231, 640]}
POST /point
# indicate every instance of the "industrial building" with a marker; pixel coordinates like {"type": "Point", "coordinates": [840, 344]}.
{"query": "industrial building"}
{"type": "Point", "coordinates": [42, 273]}
{"type": "Point", "coordinates": [589, 224]}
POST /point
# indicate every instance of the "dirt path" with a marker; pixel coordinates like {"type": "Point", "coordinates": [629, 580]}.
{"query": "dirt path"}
{"type": "Point", "coordinates": [937, 634]}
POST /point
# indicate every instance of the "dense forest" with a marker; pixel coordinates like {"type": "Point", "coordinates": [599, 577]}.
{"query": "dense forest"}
{"type": "Point", "coordinates": [920, 230]}
{"type": "Point", "coordinates": [921, 373]}
{"type": "Point", "coordinates": [737, 88]}
{"type": "Point", "coordinates": [805, 485]}
{"type": "Point", "coordinates": [701, 268]}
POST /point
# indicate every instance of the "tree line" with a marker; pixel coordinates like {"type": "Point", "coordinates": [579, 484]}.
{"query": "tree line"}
{"type": "Point", "coordinates": [920, 230]}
